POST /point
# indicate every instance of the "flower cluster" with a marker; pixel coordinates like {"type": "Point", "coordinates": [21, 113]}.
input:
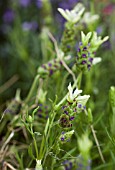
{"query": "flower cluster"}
{"type": "Point", "coordinates": [77, 164]}
{"type": "Point", "coordinates": [50, 67]}
{"type": "Point", "coordinates": [43, 111]}
{"type": "Point", "coordinates": [75, 105]}
{"type": "Point", "coordinates": [65, 136]}
{"type": "Point", "coordinates": [87, 49]}
{"type": "Point", "coordinates": [74, 16]}
{"type": "Point", "coordinates": [13, 107]}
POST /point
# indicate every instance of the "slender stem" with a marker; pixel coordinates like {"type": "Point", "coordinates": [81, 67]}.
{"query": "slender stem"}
{"type": "Point", "coordinates": [97, 143]}
{"type": "Point", "coordinates": [96, 140]}
{"type": "Point", "coordinates": [36, 149]}
{"type": "Point", "coordinates": [32, 88]}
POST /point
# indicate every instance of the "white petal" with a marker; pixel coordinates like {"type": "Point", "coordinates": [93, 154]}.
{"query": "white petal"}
{"type": "Point", "coordinates": [83, 99]}
{"type": "Point", "coordinates": [70, 95]}
{"type": "Point", "coordinates": [96, 60]}
{"type": "Point", "coordinates": [63, 13]}
{"type": "Point", "coordinates": [105, 39]}
{"type": "Point", "coordinates": [76, 93]}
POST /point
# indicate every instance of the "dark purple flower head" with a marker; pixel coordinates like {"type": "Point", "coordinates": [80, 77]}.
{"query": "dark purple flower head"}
{"type": "Point", "coordinates": [24, 3]}
{"type": "Point", "coordinates": [27, 26]}
{"type": "Point", "coordinates": [39, 3]}
{"type": "Point", "coordinates": [62, 138]}
{"type": "Point", "coordinates": [8, 16]}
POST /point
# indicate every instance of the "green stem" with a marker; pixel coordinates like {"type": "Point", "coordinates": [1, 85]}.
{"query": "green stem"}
{"type": "Point", "coordinates": [32, 89]}
{"type": "Point", "coordinates": [79, 80]}
{"type": "Point", "coordinates": [36, 149]}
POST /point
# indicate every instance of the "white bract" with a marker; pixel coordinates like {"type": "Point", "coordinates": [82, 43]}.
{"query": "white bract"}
{"type": "Point", "coordinates": [74, 15]}
{"type": "Point", "coordinates": [72, 95]}
{"type": "Point", "coordinates": [76, 95]}
{"type": "Point", "coordinates": [96, 60]}
{"type": "Point", "coordinates": [88, 18]}
{"type": "Point", "coordinates": [83, 99]}
{"type": "Point", "coordinates": [85, 38]}
{"type": "Point", "coordinates": [97, 41]}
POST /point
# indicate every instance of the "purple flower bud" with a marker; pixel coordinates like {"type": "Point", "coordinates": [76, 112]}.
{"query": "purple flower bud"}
{"type": "Point", "coordinates": [50, 72]}
{"type": "Point", "coordinates": [88, 66]}
{"type": "Point", "coordinates": [78, 50]}
{"type": "Point", "coordinates": [63, 132]}
{"type": "Point", "coordinates": [85, 48]}
{"type": "Point", "coordinates": [62, 138]}
{"type": "Point", "coordinates": [84, 62]}
{"type": "Point", "coordinates": [49, 64]}
{"type": "Point", "coordinates": [91, 59]}
{"type": "Point", "coordinates": [79, 105]}
{"type": "Point", "coordinates": [84, 107]}
{"type": "Point", "coordinates": [72, 118]}
{"type": "Point", "coordinates": [66, 112]}
{"type": "Point", "coordinates": [63, 107]}
{"type": "Point", "coordinates": [84, 55]}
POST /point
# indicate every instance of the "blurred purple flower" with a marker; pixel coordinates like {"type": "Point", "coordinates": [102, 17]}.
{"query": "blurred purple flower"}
{"type": "Point", "coordinates": [8, 16]}
{"type": "Point", "coordinates": [39, 3]}
{"type": "Point", "coordinates": [24, 3]}
{"type": "Point", "coordinates": [68, 4]}
{"type": "Point", "coordinates": [27, 26]}
{"type": "Point", "coordinates": [99, 30]}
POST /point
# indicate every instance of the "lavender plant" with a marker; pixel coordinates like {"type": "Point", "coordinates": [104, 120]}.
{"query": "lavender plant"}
{"type": "Point", "coordinates": [58, 128]}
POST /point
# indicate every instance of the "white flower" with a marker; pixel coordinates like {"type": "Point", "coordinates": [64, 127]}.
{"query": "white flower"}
{"type": "Point", "coordinates": [73, 15]}
{"type": "Point", "coordinates": [88, 18]}
{"type": "Point", "coordinates": [72, 95]}
{"type": "Point", "coordinates": [96, 60]}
